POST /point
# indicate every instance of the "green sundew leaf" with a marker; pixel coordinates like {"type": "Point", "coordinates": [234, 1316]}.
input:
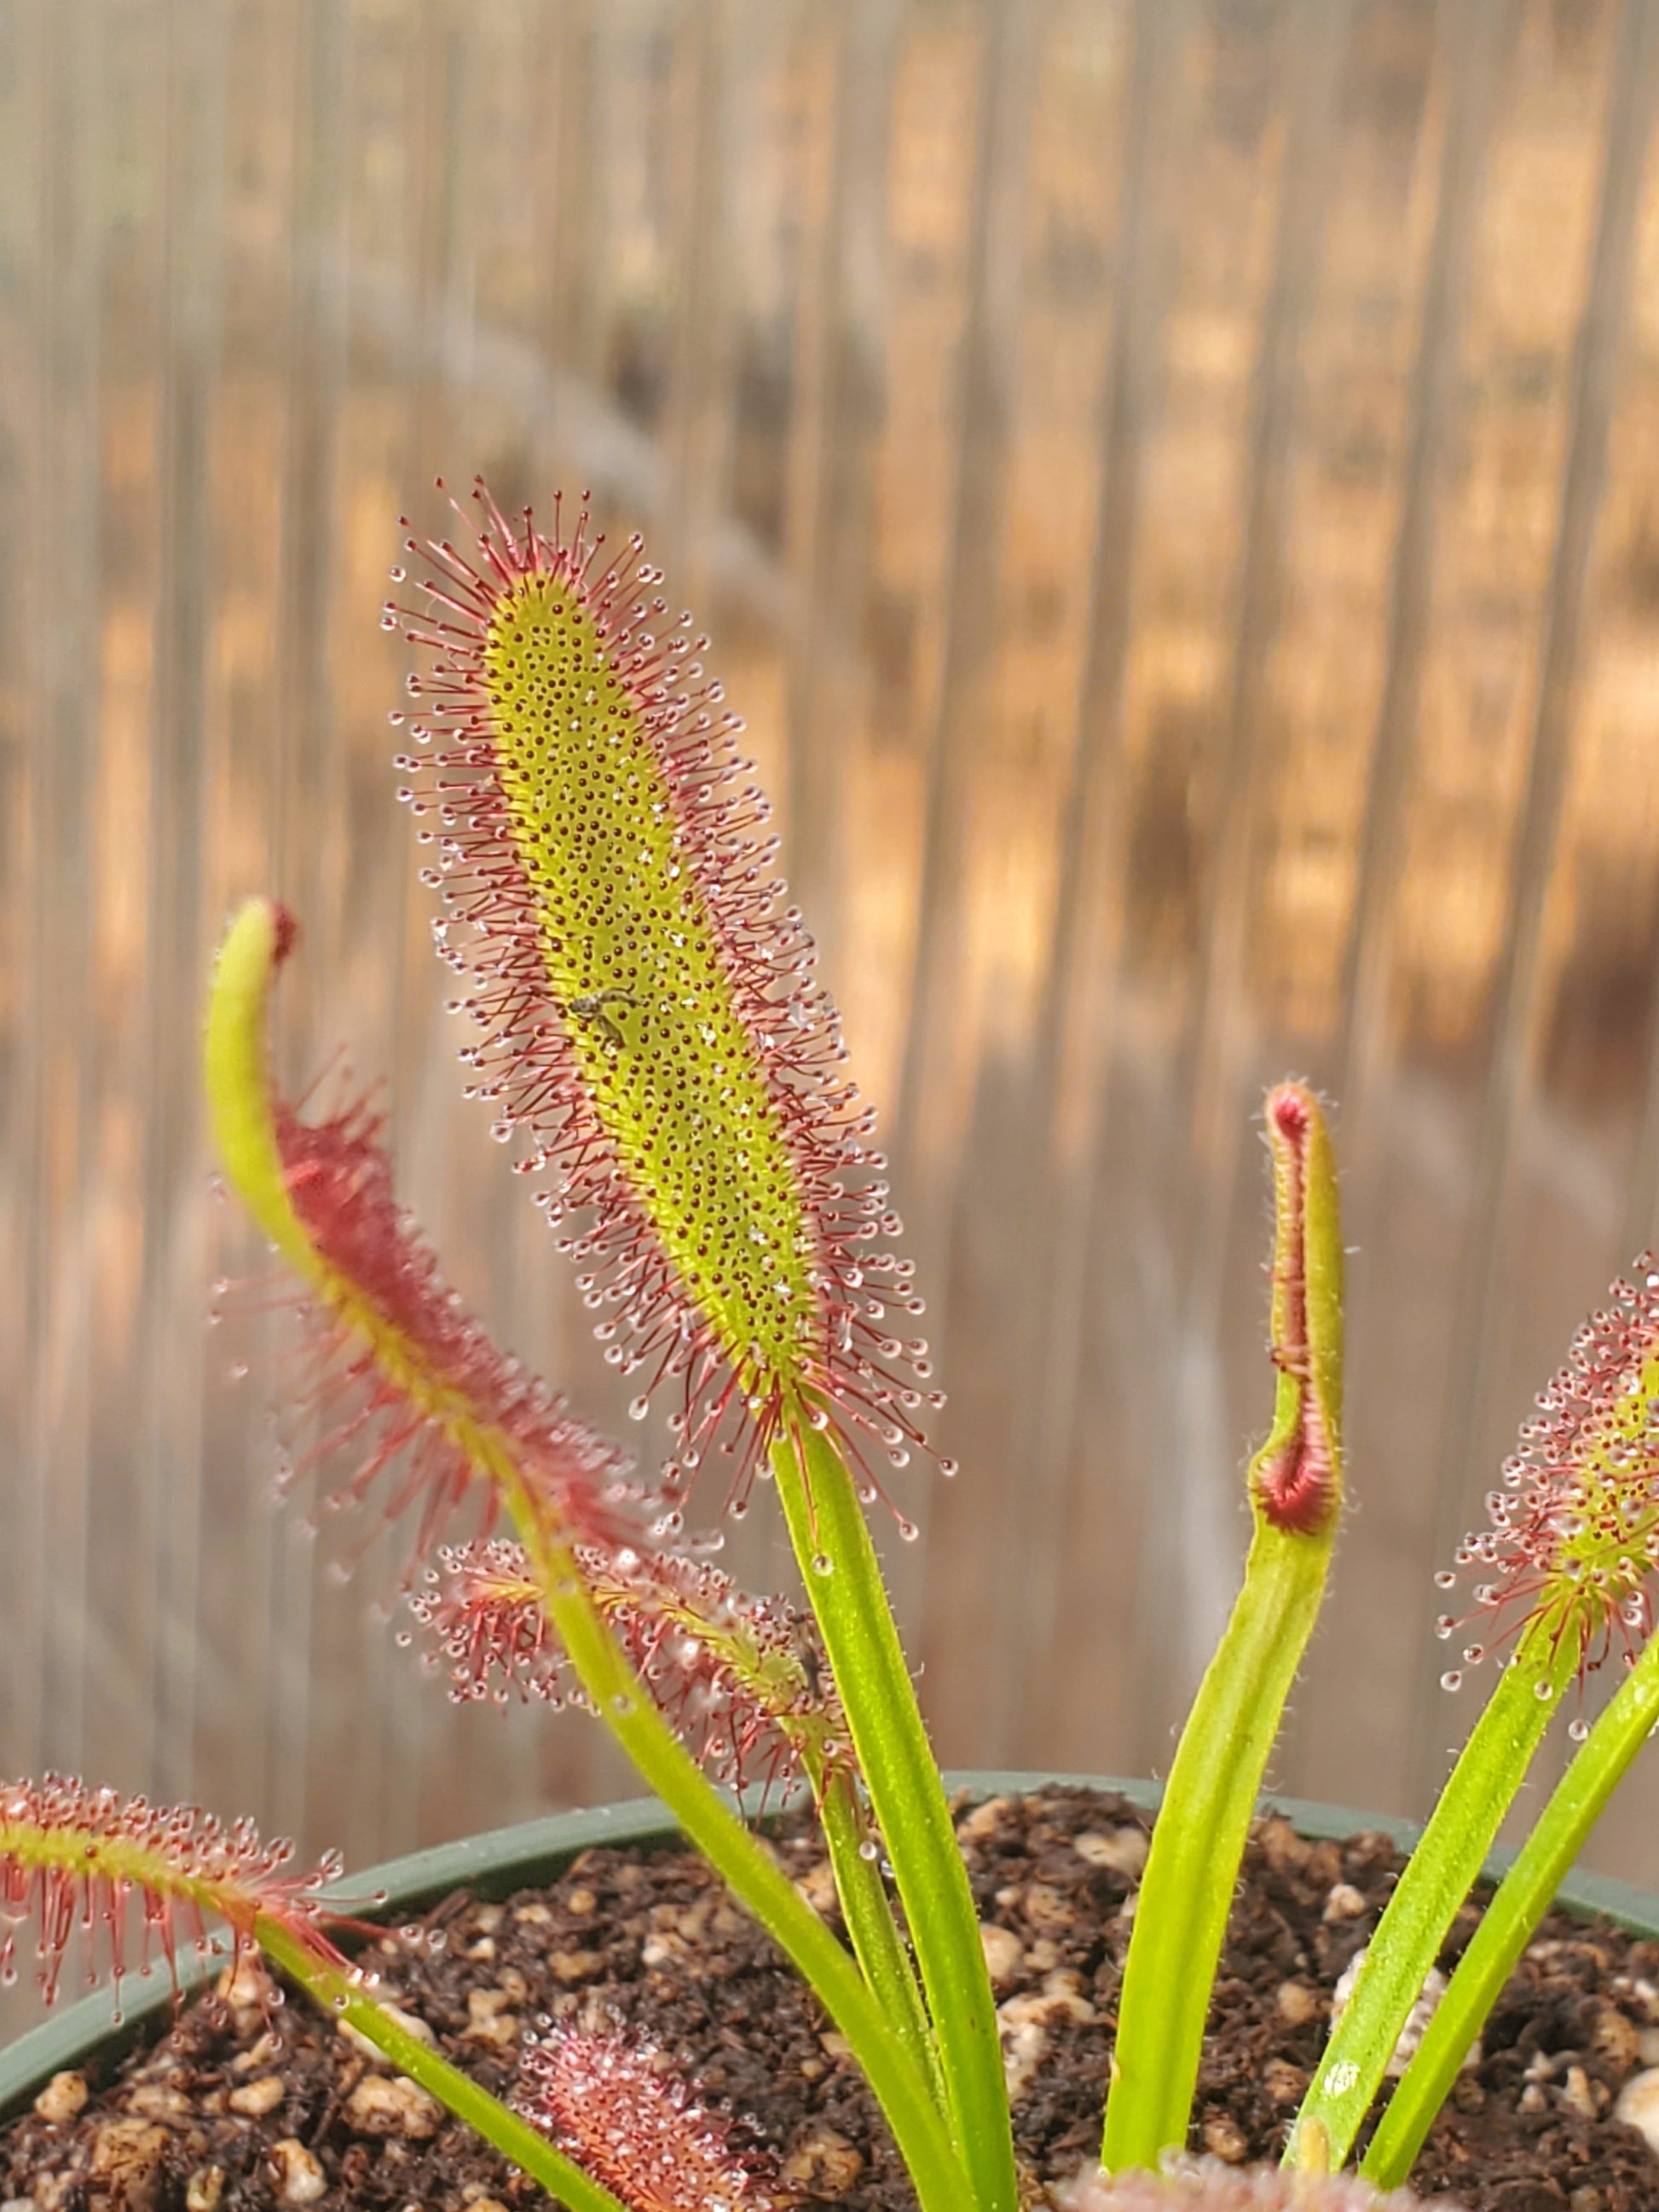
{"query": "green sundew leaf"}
{"type": "Point", "coordinates": [73, 1857]}
{"type": "Point", "coordinates": [648, 1011]}
{"type": "Point", "coordinates": [632, 954]}
{"type": "Point", "coordinates": [406, 1359]}
{"type": "Point", "coordinates": [1569, 1553]}
{"type": "Point", "coordinates": [344, 1997]}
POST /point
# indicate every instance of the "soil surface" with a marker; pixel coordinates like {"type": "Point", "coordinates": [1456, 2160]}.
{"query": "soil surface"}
{"type": "Point", "coordinates": [243, 2105]}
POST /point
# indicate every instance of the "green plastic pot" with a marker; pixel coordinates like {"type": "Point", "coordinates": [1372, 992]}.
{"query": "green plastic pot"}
{"type": "Point", "coordinates": [94, 2034]}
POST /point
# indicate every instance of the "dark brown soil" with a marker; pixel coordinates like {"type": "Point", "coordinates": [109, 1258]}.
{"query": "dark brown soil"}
{"type": "Point", "coordinates": [240, 2107]}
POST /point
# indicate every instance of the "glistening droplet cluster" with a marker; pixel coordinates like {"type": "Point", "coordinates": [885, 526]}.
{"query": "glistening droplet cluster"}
{"type": "Point", "coordinates": [740, 1678]}
{"type": "Point", "coordinates": [1573, 1537]}
{"type": "Point", "coordinates": [613, 2104]}
{"type": "Point", "coordinates": [405, 1378]}
{"type": "Point", "coordinates": [647, 1001]}
{"type": "Point", "coordinates": [73, 1857]}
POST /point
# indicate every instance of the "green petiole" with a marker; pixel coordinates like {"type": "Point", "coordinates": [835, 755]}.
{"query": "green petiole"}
{"type": "Point", "coordinates": [1506, 1926]}
{"type": "Point", "coordinates": [855, 1861]}
{"type": "Point", "coordinates": [1438, 1878]}
{"type": "Point", "coordinates": [743, 1862]}
{"type": "Point", "coordinates": [1295, 1481]}
{"type": "Point", "coordinates": [339, 1993]}
{"type": "Point", "coordinates": [842, 1575]}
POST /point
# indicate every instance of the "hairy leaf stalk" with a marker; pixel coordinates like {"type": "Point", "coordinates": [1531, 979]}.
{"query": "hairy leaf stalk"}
{"type": "Point", "coordinates": [1573, 1539]}
{"type": "Point", "coordinates": [1294, 1486]}
{"type": "Point", "coordinates": [843, 1580]}
{"type": "Point", "coordinates": [1507, 1923]}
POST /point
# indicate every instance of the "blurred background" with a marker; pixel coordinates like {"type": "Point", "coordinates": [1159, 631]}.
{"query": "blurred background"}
{"type": "Point", "coordinates": [1174, 485]}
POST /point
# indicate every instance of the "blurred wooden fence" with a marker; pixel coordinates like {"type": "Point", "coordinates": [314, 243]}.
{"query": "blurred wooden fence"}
{"type": "Point", "coordinates": [1175, 487]}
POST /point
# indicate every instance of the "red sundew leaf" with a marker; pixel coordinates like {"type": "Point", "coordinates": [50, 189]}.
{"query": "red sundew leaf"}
{"type": "Point", "coordinates": [612, 2106]}
{"type": "Point", "coordinates": [1209, 2185]}
{"type": "Point", "coordinates": [1574, 1533]}
{"type": "Point", "coordinates": [74, 1857]}
{"type": "Point", "coordinates": [647, 1001]}
{"type": "Point", "coordinates": [738, 1677]}
{"type": "Point", "coordinates": [1295, 1480]}
{"type": "Point", "coordinates": [410, 1379]}
{"type": "Point", "coordinates": [404, 1376]}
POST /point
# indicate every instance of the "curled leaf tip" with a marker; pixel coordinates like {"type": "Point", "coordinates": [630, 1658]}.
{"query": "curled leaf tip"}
{"type": "Point", "coordinates": [1291, 1111]}
{"type": "Point", "coordinates": [1296, 1477]}
{"type": "Point", "coordinates": [646, 1000]}
{"type": "Point", "coordinates": [404, 1376]}
{"type": "Point", "coordinates": [284, 931]}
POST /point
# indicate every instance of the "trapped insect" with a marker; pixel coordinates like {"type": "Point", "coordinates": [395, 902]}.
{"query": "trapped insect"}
{"type": "Point", "coordinates": [593, 1007]}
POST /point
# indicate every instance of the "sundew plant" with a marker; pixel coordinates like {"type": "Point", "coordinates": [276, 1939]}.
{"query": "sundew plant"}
{"type": "Point", "coordinates": [645, 1020]}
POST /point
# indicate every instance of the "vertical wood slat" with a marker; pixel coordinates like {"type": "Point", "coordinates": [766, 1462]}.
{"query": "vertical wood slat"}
{"type": "Point", "coordinates": [1068, 1072]}
{"type": "Point", "coordinates": [1632, 82]}
{"type": "Point", "coordinates": [445, 64]}
{"type": "Point", "coordinates": [927, 1126]}
{"type": "Point", "coordinates": [1472, 45]}
{"type": "Point", "coordinates": [177, 922]}
{"type": "Point", "coordinates": [926, 1113]}
{"type": "Point", "coordinates": [837, 419]}
{"type": "Point", "coordinates": [695, 427]}
{"type": "Point", "coordinates": [60, 424]}
{"type": "Point", "coordinates": [1379, 1111]}
{"type": "Point", "coordinates": [305, 704]}
{"type": "Point", "coordinates": [1187, 1545]}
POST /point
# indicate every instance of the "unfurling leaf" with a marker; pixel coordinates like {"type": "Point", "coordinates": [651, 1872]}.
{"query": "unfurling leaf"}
{"type": "Point", "coordinates": [408, 1380]}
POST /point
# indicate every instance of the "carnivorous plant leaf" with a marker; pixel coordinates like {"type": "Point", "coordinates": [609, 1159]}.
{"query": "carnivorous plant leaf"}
{"type": "Point", "coordinates": [1294, 1486]}
{"type": "Point", "coordinates": [340, 1993]}
{"type": "Point", "coordinates": [1586, 1486]}
{"type": "Point", "coordinates": [741, 1677]}
{"type": "Point", "coordinates": [1573, 1538]}
{"type": "Point", "coordinates": [646, 999]}
{"type": "Point", "coordinates": [649, 1014]}
{"type": "Point", "coordinates": [73, 1857]}
{"type": "Point", "coordinates": [409, 1380]}
{"type": "Point", "coordinates": [1574, 1534]}
{"type": "Point", "coordinates": [612, 2102]}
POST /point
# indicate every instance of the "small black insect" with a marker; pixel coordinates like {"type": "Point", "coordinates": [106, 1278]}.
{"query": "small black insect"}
{"type": "Point", "coordinates": [810, 1656]}
{"type": "Point", "coordinates": [593, 1007]}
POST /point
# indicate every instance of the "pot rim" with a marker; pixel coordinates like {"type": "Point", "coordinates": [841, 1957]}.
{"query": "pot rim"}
{"type": "Point", "coordinates": [498, 1861]}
